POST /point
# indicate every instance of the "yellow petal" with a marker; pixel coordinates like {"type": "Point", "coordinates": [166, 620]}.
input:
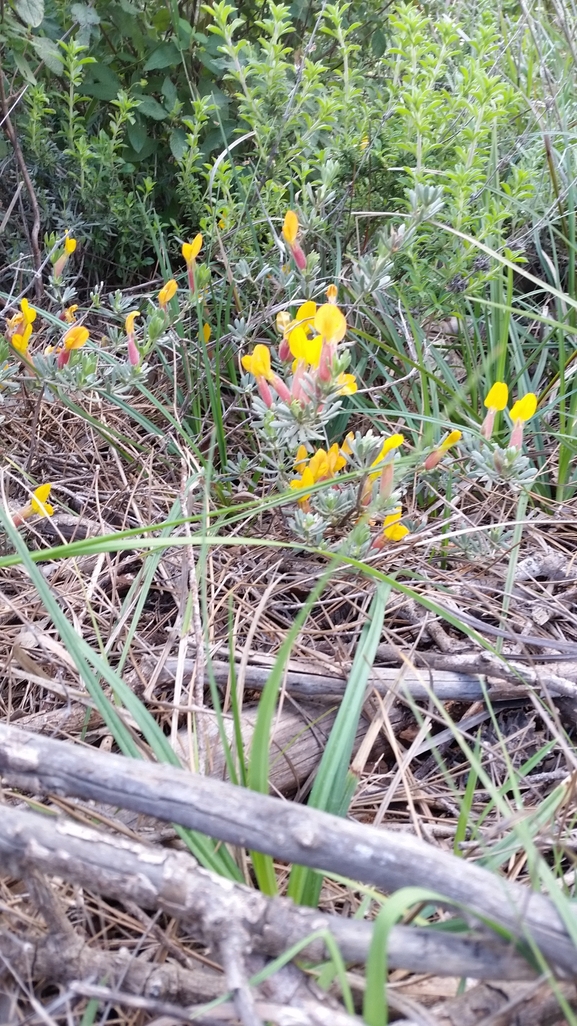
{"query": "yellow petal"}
{"type": "Point", "coordinates": [27, 311]}
{"type": "Point", "coordinates": [129, 321]}
{"type": "Point", "coordinates": [21, 339]}
{"type": "Point", "coordinates": [290, 228]}
{"type": "Point", "coordinates": [167, 292]}
{"type": "Point", "coordinates": [318, 465]}
{"type": "Point", "coordinates": [346, 446]}
{"type": "Point", "coordinates": [330, 322]}
{"type": "Point", "coordinates": [451, 439]}
{"type": "Point", "coordinates": [206, 332]}
{"type": "Point", "coordinates": [75, 337]}
{"type": "Point", "coordinates": [524, 408]}
{"type": "Point", "coordinates": [396, 532]}
{"type": "Point", "coordinates": [347, 384]}
{"type": "Point", "coordinates": [306, 314]}
{"type": "Point", "coordinates": [258, 363]}
{"type": "Point", "coordinates": [497, 396]}
{"type": "Point", "coordinates": [332, 293]}
{"type": "Point", "coordinates": [390, 443]}
{"type": "Point", "coordinates": [190, 250]}
{"type": "Point", "coordinates": [301, 457]}
{"type": "Point", "coordinates": [69, 313]}
{"type": "Point", "coordinates": [283, 319]}
{"type": "Point", "coordinates": [38, 502]}
{"type": "Point", "coordinates": [69, 246]}
{"type": "Point", "coordinates": [336, 461]}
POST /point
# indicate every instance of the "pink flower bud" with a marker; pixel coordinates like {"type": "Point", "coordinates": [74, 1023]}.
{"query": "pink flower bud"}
{"type": "Point", "coordinates": [284, 352]}
{"type": "Point", "coordinates": [280, 388]}
{"type": "Point", "coordinates": [265, 392]}
{"type": "Point", "coordinates": [517, 435]}
{"type": "Point", "coordinates": [488, 424]}
{"type": "Point", "coordinates": [63, 358]}
{"type": "Point", "coordinates": [433, 459]}
{"type": "Point", "coordinates": [299, 257]}
{"type": "Point", "coordinates": [133, 354]}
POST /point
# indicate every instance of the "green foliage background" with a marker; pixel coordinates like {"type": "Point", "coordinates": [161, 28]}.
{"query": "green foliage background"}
{"type": "Point", "coordinates": [141, 116]}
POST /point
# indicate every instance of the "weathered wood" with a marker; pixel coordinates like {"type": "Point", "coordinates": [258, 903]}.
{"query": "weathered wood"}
{"type": "Point", "coordinates": [160, 878]}
{"type": "Point", "coordinates": [297, 742]}
{"type": "Point", "coordinates": [288, 831]}
{"type": "Point", "coordinates": [446, 685]}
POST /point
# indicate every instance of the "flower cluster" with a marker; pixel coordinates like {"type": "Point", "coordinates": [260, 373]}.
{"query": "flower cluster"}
{"type": "Point", "coordinates": [295, 405]}
{"type": "Point", "coordinates": [19, 328]}
{"type": "Point", "coordinates": [492, 463]}
{"type": "Point", "coordinates": [361, 496]}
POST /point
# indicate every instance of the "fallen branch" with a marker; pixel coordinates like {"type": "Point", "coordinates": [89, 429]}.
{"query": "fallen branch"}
{"type": "Point", "coordinates": [284, 830]}
{"type": "Point", "coordinates": [160, 878]}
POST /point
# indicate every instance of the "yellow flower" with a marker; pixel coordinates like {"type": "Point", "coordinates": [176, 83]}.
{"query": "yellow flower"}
{"type": "Point", "coordinates": [335, 460]}
{"type": "Point", "coordinates": [301, 457]}
{"type": "Point", "coordinates": [290, 227]}
{"type": "Point", "coordinates": [304, 348]}
{"type": "Point", "coordinates": [75, 337]}
{"type": "Point", "coordinates": [206, 333]}
{"type": "Point", "coordinates": [190, 250]}
{"type": "Point", "coordinates": [283, 321]}
{"type": "Point", "coordinates": [332, 293]}
{"type": "Point", "coordinates": [258, 363]}
{"type": "Point", "coordinates": [392, 529]}
{"type": "Point", "coordinates": [38, 503]}
{"type": "Point", "coordinates": [69, 246]}
{"type": "Point", "coordinates": [364, 142]}
{"type": "Point", "coordinates": [331, 323]}
{"type": "Point", "coordinates": [167, 292]}
{"type": "Point", "coordinates": [346, 446]}
{"type": "Point", "coordinates": [347, 384]}
{"type": "Point", "coordinates": [129, 321]}
{"type": "Point", "coordinates": [451, 439]}
{"type": "Point", "coordinates": [318, 465]}
{"type": "Point", "coordinates": [27, 312]}
{"type": "Point", "coordinates": [497, 396]}
{"type": "Point", "coordinates": [69, 313]}
{"type": "Point", "coordinates": [524, 408]}
{"type": "Point", "coordinates": [20, 340]}
{"type": "Point", "coordinates": [306, 315]}
{"type": "Point", "coordinates": [390, 443]}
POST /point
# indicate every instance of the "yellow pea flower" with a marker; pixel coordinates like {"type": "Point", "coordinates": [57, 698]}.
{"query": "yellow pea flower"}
{"type": "Point", "coordinates": [38, 501]}
{"type": "Point", "coordinates": [434, 457]}
{"type": "Point", "coordinates": [190, 250]}
{"type": "Point", "coordinates": [331, 323]}
{"type": "Point", "coordinates": [290, 227]}
{"type": "Point", "coordinates": [301, 457]}
{"type": "Point", "coordinates": [524, 408]}
{"type": "Point", "coordinates": [28, 313]}
{"type": "Point", "coordinates": [389, 445]}
{"type": "Point", "coordinates": [497, 396]}
{"type": "Point", "coordinates": [129, 321]}
{"type": "Point", "coordinates": [283, 321]}
{"type": "Point", "coordinates": [60, 263]}
{"type": "Point", "coordinates": [69, 246]}
{"type": "Point", "coordinates": [206, 333]}
{"type": "Point", "coordinates": [21, 339]}
{"type": "Point", "coordinates": [392, 529]}
{"type": "Point", "coordinates": [76, 337]}
{"type": "Point", "coordinates": [520, 413]}
{"type": "Point", "coordinates": [332, 293]}
{"type": "Point", "coordinates": [258, 363]}
{"type": "Point", "coordinates": [304, 348]}
{"type": "Point", "coordinates": [335, 460]}
{"type": "Point", "coordinates": [347, 384]}
{"type": "Point", "coordinates": [167, 292]}
{"type": "Point", "coordinates": [68, 313]}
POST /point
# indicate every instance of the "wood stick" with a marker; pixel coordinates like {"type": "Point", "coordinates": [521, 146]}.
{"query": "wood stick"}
{"type": "Point", "coordinates": [161, 878]}
{"type": "Point", "coordinates": [287, 831]}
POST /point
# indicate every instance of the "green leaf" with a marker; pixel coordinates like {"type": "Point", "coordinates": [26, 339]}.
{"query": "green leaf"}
{"type": "Point", "coordinates": [101, 82]}
{"type": "Point", "coordinates": [48, 52]}
{"type": "Point", "coordinates": [137, 135]}
{"type": "Point", "coordinates": [149, 147]}
{"type": "Point", "coordinates": [170, 92]}
{"type": "Point", "coordinates": [84, 15]}
{"type": "Point", "coordinates": [161, 20]}
{"type": "Point", "coordinates": [24, 68]}
{"type": "Point", "coordinates": [178, 143]}
{"type": "Point", "coordinates": [31, 12]}
{"type": "Point", "coordinates": [151, 108]}
{"type": "Point", "coordinates": [165, 56]}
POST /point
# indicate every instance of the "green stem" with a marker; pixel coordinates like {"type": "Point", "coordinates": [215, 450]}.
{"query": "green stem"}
{"type": "Point", "coordinates": [514, 559]}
